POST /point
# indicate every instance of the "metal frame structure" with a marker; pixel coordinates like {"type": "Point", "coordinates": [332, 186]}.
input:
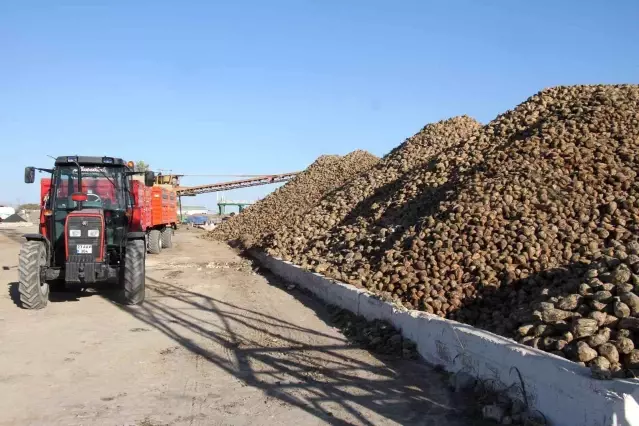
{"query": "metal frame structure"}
{"type": "Point", "coordinates": [227, 186]}
{"type": "Point", "coordinates": [221, 205]}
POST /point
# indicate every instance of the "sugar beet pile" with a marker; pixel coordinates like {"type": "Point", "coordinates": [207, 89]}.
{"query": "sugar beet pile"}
{"type": "Point", "coordinates": [526, 226]}
{"type": "Point", "coordinates": [295, 198]}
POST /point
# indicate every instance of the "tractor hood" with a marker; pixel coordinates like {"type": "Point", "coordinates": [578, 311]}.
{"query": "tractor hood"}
{"type": "Point", "coordinates": [89, 212]}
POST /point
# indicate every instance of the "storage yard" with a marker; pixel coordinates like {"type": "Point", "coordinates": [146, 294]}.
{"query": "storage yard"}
{"type": "Point", "coordinates": [476, 273]}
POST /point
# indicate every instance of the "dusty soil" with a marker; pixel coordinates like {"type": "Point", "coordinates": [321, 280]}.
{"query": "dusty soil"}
{"type": "Point", "coordinates": [214, 344]}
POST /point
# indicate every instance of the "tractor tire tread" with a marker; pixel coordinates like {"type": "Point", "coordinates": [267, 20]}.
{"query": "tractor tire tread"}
{"type": "Point", "coordinates": [167, 237]}
{"type": "Point", "coordinates": [31, 296]}
{"type": "Point", "coordinates": [155, 241]}
{"type": "Point", "coordinates": [133, 286]}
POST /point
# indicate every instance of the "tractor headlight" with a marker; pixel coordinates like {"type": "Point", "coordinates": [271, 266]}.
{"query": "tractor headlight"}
{"type": "Point", "coordinates": [94, 233]}
{"type": "Point", "coordinates": [75, 233]}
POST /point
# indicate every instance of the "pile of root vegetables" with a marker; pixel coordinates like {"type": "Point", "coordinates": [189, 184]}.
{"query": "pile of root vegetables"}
{"type": "Point", "coordinates": [593, 319]}
{"type": "Point", "coordinates": [526, 226]}
{"type": "Point", "coordinates": [295, 198]}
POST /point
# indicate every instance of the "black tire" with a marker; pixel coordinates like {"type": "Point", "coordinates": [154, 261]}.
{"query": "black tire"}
{"type": "Point", "coordinates": [155, 241]}
{"type": "Point", "coordinates": [133, 271]}
{"type": "Point", "coordinates": [167, 237]}
{"type": "Point", "coordinates": [34, 293]}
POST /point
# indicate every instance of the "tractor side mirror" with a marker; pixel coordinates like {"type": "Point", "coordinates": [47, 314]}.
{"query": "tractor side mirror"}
{"type": "Point", "coordinates": [29, 174]}
{"type": "Point", "coordinates": [149, 178]}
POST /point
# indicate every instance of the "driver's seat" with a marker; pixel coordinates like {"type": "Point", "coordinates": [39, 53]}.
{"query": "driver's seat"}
{"type": "Point", "coordinates": [93, 200]}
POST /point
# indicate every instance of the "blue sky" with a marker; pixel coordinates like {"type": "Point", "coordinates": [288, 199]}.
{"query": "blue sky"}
{"type": "Point", "coordinates": [249, 87]}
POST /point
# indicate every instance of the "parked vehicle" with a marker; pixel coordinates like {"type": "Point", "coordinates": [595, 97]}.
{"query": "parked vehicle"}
{"type": "Point", "coordinates": [156, 214]}
{"type": "Point", "coordinates": [91, 229]}
{"type": "Point", "coordinates": [198, 220]}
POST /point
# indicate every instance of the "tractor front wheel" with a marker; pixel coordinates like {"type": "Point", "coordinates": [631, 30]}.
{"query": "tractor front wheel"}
{"type": "Point", "coordinates": [132, 278]}
{"type": "Point", "coordinates": [155, 241]}
{"type": "Point", "coordinates": [34, 292]}
{"type": "Point", "coordinates": [167, 237]}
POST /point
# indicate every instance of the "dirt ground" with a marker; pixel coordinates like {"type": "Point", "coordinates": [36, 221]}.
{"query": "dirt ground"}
{"type": "Point", "coordinates": [214, 344]}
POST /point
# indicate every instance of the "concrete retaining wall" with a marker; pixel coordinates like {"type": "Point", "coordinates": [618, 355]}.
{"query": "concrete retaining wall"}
{"type": "Point", "coordinates": [562, 390]}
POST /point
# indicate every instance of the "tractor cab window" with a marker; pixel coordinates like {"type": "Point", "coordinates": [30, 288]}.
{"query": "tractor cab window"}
{"type": "Point", "coordinates": [104, 186]}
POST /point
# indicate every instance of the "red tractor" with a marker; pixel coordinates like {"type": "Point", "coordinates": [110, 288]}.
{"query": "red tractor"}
{"type": "Point", "coordinates": [90, 230]}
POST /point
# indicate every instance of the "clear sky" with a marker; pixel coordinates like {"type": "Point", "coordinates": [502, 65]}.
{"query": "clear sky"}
{"type": "Point", "coordinates": [249, 87]}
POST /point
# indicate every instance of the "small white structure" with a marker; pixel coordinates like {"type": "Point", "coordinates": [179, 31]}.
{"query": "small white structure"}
{"type": "Point", "coordinates": [193, 210]}
{"type": "Point", "coordinates": [6, 211]}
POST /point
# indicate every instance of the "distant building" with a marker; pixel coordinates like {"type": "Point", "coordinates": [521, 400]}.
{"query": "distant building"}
{"type": "Point", "coordinates": [191, 210]}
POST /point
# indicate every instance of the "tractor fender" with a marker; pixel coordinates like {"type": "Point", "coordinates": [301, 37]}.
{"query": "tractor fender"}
{"type": "Point", "coordinates": [40, 237]}
{"type": "Point", "coordinates": [136, 235]}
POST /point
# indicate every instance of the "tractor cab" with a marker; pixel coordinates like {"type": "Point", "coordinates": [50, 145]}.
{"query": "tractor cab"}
{"type": "Point", "coordinates": [85, 220]}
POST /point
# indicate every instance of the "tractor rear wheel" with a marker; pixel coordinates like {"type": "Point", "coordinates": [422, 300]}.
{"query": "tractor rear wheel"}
{"type": "Point", "coordinates": [167, 237]}
{"type": "Point", "coordinates": [133, 271]}
{"type": "Point", "coordinates": [34, 293]}
{"type": "Point", "coordinates": [155, 241]}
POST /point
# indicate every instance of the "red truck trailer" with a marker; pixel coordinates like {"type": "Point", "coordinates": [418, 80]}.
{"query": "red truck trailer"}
{"type": "Point", "coordinates": [154, 208]}
{"type": "Point", "coordinates": [156, 212]}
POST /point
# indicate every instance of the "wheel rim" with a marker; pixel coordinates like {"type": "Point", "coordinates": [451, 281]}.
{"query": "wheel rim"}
{"type": "Point", "coordinates": [44, 286]}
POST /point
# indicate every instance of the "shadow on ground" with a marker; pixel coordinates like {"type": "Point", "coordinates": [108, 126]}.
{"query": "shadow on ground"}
{"type": "Point", "coordinates": [60, 294]}
{"type": "Point", "coordinates": [314, 371]}
{"type": "Point", "coordinates": [14, 294]}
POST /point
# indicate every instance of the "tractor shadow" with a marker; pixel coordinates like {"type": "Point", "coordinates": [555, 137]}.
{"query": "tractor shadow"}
{"type": "Point", "coordinates": [71, 294]}
{"type": "Point", "coordinates": [14, 294]}
{"type": "Point", "coordinates": [321, 373]}
{"type": "Point", "coordinates": [74, 294]}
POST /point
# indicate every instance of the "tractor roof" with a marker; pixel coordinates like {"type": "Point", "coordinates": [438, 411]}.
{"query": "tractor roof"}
{"type": "Point", "coordinates": [72, 159]}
